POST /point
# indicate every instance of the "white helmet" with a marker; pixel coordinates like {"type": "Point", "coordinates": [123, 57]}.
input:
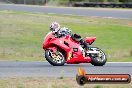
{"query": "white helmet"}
{"type": "Point", "coordinates": [54, 27]}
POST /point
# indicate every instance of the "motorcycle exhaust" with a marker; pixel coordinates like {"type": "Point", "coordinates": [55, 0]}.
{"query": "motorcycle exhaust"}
{"type": "Point", "coordinates": [92, 52]}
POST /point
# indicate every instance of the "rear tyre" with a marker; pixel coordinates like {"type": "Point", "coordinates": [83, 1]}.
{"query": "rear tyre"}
{"type": "Point", "coordinates": [100, 59]}
{"type": "Point", "coordinates": [53, 59]}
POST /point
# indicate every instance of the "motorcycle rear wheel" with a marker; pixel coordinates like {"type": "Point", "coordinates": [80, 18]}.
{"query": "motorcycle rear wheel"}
{"type": "Point", "coordinates": [100, 60]}
{"type": "Point", "coordinates": [53, 59]}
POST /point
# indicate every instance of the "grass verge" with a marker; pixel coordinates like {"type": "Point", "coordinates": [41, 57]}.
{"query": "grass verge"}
{"type": "Point", "coordinates": [40, 82]}
{"type": "Point", "coordinates": [22, 33]}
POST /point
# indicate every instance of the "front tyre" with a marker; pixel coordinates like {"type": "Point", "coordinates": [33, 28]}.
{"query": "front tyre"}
{"type": "Point", "coordinates": [98, 59]}
{"type": "Point", "coordinates": [55, 59]}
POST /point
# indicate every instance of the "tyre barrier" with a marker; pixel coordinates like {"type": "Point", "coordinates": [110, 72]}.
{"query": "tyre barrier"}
{"type": "Point", "coordinates": [104, 5]}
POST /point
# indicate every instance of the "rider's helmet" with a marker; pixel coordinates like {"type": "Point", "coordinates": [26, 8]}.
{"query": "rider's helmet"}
{"type": "Point", "coordinates": [54, 27]}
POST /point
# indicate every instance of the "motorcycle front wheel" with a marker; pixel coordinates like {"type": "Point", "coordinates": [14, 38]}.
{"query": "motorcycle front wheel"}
{"type": "Point", "coordinates": [55, 59]}
{"type": "Point", "coordinates": [100, 59]}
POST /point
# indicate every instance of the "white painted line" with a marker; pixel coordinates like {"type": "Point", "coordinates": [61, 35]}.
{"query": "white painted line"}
{"type": "Point", "coordinates": [119, 62]}
{"type": "Point", "coordinates": [106, 62]}
{"type": "Point", "coordinates": [89, 16]}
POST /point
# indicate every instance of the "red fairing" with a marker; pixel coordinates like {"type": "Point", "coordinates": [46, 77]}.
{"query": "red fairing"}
{"type": "Point", "coordinates": [47, 39]}
{"type": "Point", "coordinates": [90, 40]}
{"type": "Point", "coordinates": [68, 45]}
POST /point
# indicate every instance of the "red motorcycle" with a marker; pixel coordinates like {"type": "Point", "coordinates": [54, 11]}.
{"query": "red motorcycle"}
{"type": "Point", "coordinates": [59, 51]}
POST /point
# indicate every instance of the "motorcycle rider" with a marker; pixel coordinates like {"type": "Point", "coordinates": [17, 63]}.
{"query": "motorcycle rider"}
{"type": "Point", "coordinates": [59, 32]}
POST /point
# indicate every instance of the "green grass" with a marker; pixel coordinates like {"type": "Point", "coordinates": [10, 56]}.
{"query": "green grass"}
{"type": "Point", "coordinates": [40, 82]}
{"type": "Point", "coordinates": [22, 33]}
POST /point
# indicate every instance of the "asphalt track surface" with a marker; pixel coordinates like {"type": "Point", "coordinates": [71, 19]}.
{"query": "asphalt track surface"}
{"type": "Point", "coordinates": [108, 13]}
{"type": "Point", "coordinates": [44, 69]}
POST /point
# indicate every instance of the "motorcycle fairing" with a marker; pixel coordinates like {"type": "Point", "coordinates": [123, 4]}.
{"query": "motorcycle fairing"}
{"type": "Point", "coordinates": [71, 56]}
